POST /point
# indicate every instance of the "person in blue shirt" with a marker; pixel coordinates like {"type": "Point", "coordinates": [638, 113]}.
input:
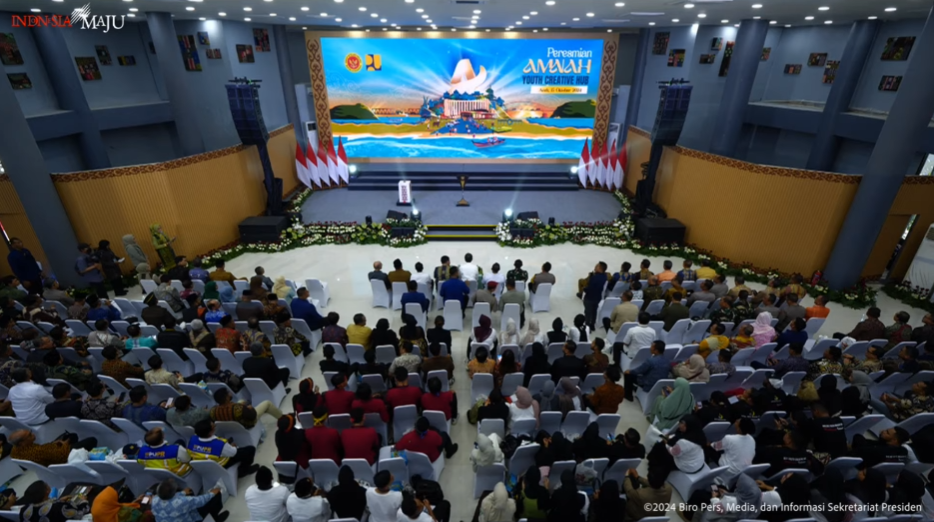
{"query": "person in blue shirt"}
{"type": "Point", "coordinates": [623, 276]}
{"type": "Point", "coordinates": [101, 309]}
{"type": "Point", "coordinates": [304, 309]}
{"type": "Point", "coordinates": [414, 296]}
{"type": "Point", "coordinates": [455, 288]}
{"type": "Point", "coordinates": [197, 272]}
{"type": "Point", "coordinates": [652, 370]}
{"type": "Point", "coordinates": [88, 266]}
{"type": "Point", "coordinates": [794, 334]}
{"type": "Point", "coordinates": [139, 410]}
{"type": "Point", "coordinates": [593, 293]}
{"type": "Point", "coordinates": [24, 266]}
{"type": "Point", "coordinates": [171, 504]}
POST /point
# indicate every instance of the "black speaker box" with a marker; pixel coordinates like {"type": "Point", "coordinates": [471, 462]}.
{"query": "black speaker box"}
{"type": "Point", "coordinates": [659, 230]}
{"type": "Point", "coordinates": [262, 228]}
{"type": "Point", "coordinates": [527, 215]}
{"type": "Point", "coordinates": [392, 214]}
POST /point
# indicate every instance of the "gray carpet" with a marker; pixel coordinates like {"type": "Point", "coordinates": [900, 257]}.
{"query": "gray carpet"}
{"type": "Point", "coordinates": [438, 208]}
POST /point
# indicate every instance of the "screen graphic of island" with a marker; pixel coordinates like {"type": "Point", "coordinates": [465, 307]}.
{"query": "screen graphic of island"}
{"type": "Point", "coordinates": [462, 98]}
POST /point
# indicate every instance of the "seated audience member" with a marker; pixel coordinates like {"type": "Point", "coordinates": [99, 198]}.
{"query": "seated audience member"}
{"type": "Point", "coordinates": [438, 334]}
{"type": "Point", "coordinates": [427, 440]}
{"type": "Point", "coordinates": [704, 293]}
{"type": "Point", "coordinates": [37, 504]}
{"type": "Point", "coordinates": [454, 289]}
{"type": "Point", "coordinates": [99, 407]}
{"type": "Point", "coordinates": [536, 364]}
{"type": "Point", "coordinates": [638, 337]}
{"type": "Point", "coordinates": [414, 296]}
{"type": "Point", "coordinates": [272, 308]}
{"type": "Point", "coordinates": [53, 292]}
{"type": "Point", "coordinates": [793, 334]}
{"type": "Point", "coordinates": [485, 335]}
{"type": "Point", "coordinates": [675, 402]}
{"type": "Point", "coordinates": [410, 332]}
{"type": "Point", "coordinates": [543, 277]}
{"type": "Point", "coordinates": [307, 397]}
{"type": "Point", "coordinates": [498, 506]}
{"type": "Point", "coordinates": [107, 506]}
{"type": "Point", "coordinates": [102, 336]}
{"type": "Point", "coordinates": [304, 309]}
{"type": "Point", "coordinates": [720, 288]}
{"type": "Point", "coordinates": [625, 312]}
{"type": "Point", "coordinates": [159, 375]}
{"type": "Point", "coordinates": [831, 363]}
{"type": "Point", "coordinates": [77, 374]}
{"type": "Point", "coordinates": [177, 340]}
{"type": "Point", "coordinates": [795, 287]}
{"type": "Point", "coordinates": [666, 274]}
{"type": "Point", "coordinates": [285, 334]}
{"type": "Point", "coordinates": [925, 332]}
{"type": "Point", "coordinates": [139, 410]}
{"type": "Point", "coordinates": [196, 307]}
{"type": "Point", "coordinates": [325, 441]}
{"type": "Point", "coordinates": [715, 409]}
{"type": "Point", "coordinates": [898, 332]}
{"type": "Point", "coordinates": [338, 400]}
{"type": "Point", "coordinates": [79, 310]}
{"type": "Point", "coordinates": [645, 375]}
{"type": "Point", "coordinates": [567, 503]}
{"type": "Point", "coordinates": [329, 364]}
{"type": "Point", "coordinates": [379, 275]}
{"type": "Point", "coordinates": [481, 363]}
{"type": "Point", "coordinates": [34, 312]}
{"type": "Point", "coordinates": [682, 449]}
{"type": "Point", "coordinates": [307, 503]}
{"type": "Point", "coordinates": [793, 363]}
{"type": "Point", "coordinates": [247, 308]}
{"type": "Point", "coordinates": [737, 451]}
{"type": "Point", "coordinates": [568, 365]}
{"type": "Point", "coordinates": [517, 273]}
{"type": "Point", "coordinates": [523, 407]}
{"type": "Point", "coordinates": [266, 500]}
{"type": "Point", "coordinates": [579, 332]}
{"type": "Point", "coordinates": [369, 402]}
{"type": "Point", "coordinates": [723, 363]}
{"type": "Point", "coordinates": [258, 366]}
{"type": "Point", "coordinates": [63, 405]}
{"type": "Point", "coordinates": [347, 498]}
{"type": "Point", "coordinates": [398, 274]}
{"type": "Point", "coordinates": [645, 497]}
{"type": "Point", "coordinates": [826, 432]}
{"type": "Point", "coordinates": [204, 445]}
{"type": "Point", "coordinates": [55, 452]}
{"type": "Point", "coordinates": [694, 369]}
{"type": "Point", "coordinates": [914, 401]}
{"type": "Point", "coordinates": [495, 407]}
{"type": "Point", "coordinates": [513, 296]}
{"type": "Point", "coordinates": [359, 332]}
{"type": "Point", "coordinates": [184, 413]}
{"type": "Point", "coordinates": [740, 285]}
{"type": "Point", "coordinates": [291, 443]}
{"type": "Point", "coordinates": [908, 356]}
{"type": "Point", "coordinates": [436, 400]}
{"type": "Point", "coordinates": [382, 335]}
{"type": "Point", "coordinates": [495, 276]}
{"type": "Point", "coordinates": [870, 364]}
{"type": "Point", "coordinates": [101, 309]}
{"type": "Point", "coordinates": [244, 414]}
{"type": "Point", "coordinates": [557, 333]}
{"type": "Point", "coordinates": [136, 339]}
{"type": "Point", "coordinates": [868, 329]}
{"type": "Point", "coordinates": [768, 305]}
{"type": "Point", "coordinates": [157, 453]}
{"type": "Point", "coordinates": [533, 498]}
{"type": "Point", "coordinates": [254, 334]}
{"type": "Point", "coordinates": [333, 332]}
{"type": "Point", "coordinates": [370, 366]}
{"type": "Point", "coordinates": [607, 397]}
{"type": "Point", "coordinates": [485, 294]}
{"type": "Point", "coordinates": [153, 314]}
{"type": "Point", "coordinates": [486, 451]}
{"type": "Point", "coordinates": [596, 361]}
{"type": "Point", "coordinates": [590, 445]}
{"type": "Point", "coordinates": [436, 361]}
{"type": "Point", "coordinates": [890, 447]}
{"type": "Point", "coordinates": [789, 312]}
{"type": "Point", "coordinates": [715, 341]}
{"type": "Point", "coordinates": [383, 503]}
{"type": "Point", "coordinates": [505, 366]}
{"type": "Point", "coordinates": [674, 311]}
{"type": "Point", "coordinates": [171, 504]}
{"type": "Point", "coordinates": [215, 311]}
{"type": "Point", "coordinates": [743, 338]}
{"type": "Point", "coordinates": [626, 446]}
{"type": "Point", "coordinates": [118, 368]}
{"type": "Point", "coordinates": [819, 310]}
{"type": "Point", "coordinates": [217, 374]}
{"type": "Point", "coordinates": [200, 337]}
{"type": "Point", "coordinates": [792, 453]}
{"type": "Point", "coordinates": [402, 394]}
{"type": "Point", "coordinates": [653, 292]}
{"type": "Point", "coordinates": [360, 441]}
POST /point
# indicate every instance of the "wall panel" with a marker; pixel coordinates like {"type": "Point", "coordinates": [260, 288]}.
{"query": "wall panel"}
{"type": "Point", "coordinates": [281, 148]}
{"type": "Point", "coordinates": [639, 146]}
{"type": "Point", "coordinates": [16, 224]}
{"type": "Point", "coordinates": [915, 197]}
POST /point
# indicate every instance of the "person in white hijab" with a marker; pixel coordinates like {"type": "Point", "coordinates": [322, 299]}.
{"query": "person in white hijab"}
{"type": "Point", "coordinates": [133, 250]}
{"type": "Point", "coordinates": [533, 334]}
{"type": "Point", "coordinates": [497, 506]}
{"type": "Point", "coordinates": [487, 451]}
{"type": "Point", "coordinates": [510, 335]}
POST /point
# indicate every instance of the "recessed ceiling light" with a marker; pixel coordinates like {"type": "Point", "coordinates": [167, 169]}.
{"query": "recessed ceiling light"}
{"type": "Point", "coordinates": [272, 14]}
{"type": "Point", "coordinates": [590, 15]}
{"type": "Point", "coordinates": [533, 13]}
{"type": "Point", "coordinates": [534, 30]}
{"type": "Point", "coordinates": [304, 28]}
{"type": "Point", "coordinates": [200, 18]}
{"type": "Point", "coordinates": [323, 15]}
{"type": "Point", "coordinates": [609, 30]}
{"type": "Point", "coordinates": [133, 9]}
{"type": "Point", "coordinates": [338, 19]}
{"type": "Point", "coordinates": [787, 25]}
{"type": "Point", "coordinates": [735, 25]}
{"type": "Point", "coordinates": [550, 2]}
{"type": "Point", "coordinates": [756, 17]}
{"type": "Point", "coordinates": [675, 20]}
{"type": "Point", "coordinates": [429, 21]}
{"type": "Point", "coordinates": [518, 23]}
{"type": "Point", "coordinates": [873, 17]}
{"type": "Point", "coordinates": [471, 27]}
{"type": "Point", "coordinates": [453, 30]}
{"type": "Point", "coordinates": [425, 17]}
{"type": "Point", "coordinates": [291, 18]}
{"type": "Point", "coordinates": [221, 14]}
{"type": "Point", "coordinates": [724, 21]}
{"type": "Point", "coordinates": [374, 15]}
{"type": "Point", "coordinates": [419, 10]}
{"type": "Point", "coordinates": [367, 30]}
{"type": "Point", "coordinates": [619, 4]}
{"type": "Point", "coordinates": [131, 15]}
{"type": "Point", "coordinates": [487, 30]}
{"type": "Point", "coordinates": [544, 29]}
{"type": "Point", "coordinates": [189, 8]}
{"type": "Point", "coordinates": [247, 9]}
{"type": "Point", "coordinates": [338, 1]}
{"type": "Point", "coordinates": [651, 23]}
{"type": "Point", "coordinates": [526, 17]}
{"type": "Point", "coordinates": [411, 2]}
{"type": "Point", "coordinates": [361, 9]}
{"type": "Point", "coordinates": [823, 8]}
{"type": "Point", "coordinates": [267, 0]}
{"type": "Point", "coordinates": [808, 17]}
{"type": "Point", "coordinates": [247, 19]}
{"type": "Point", "coordinates": [564, 23]}
{"type": "Point", "coordinates": [304, 9]}
{"type": "Point", "coordinates": [354, 25]}
{"type": "Point", "coordinates": [890, 9]}
{"type": "Point", "coordinates": [701, 15]}
{"type": "Point", "coordinates": [383, 20]}
{"type": "Point", "coordinates": [828, 22]}
{"type": "Point", "coordinates": [575, 19]}
{"type": "Point", "coordinates": [58, 0]}
{"type": "Point", "coordinates": [773, 22]}
{"type": "Point", "coordinates": [385, 29]}
{"type": "Point", "coordinates": [477, 11]}
{"type": "Point", "coordinates": [757, 6]}
{"type": "Point", "coordinates": [689, 6]}
{"type": "Point", "coordinates": [418, 29]}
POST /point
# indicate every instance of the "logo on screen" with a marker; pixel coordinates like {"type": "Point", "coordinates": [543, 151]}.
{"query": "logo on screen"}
{"type": "Point", "coordinates": [353, 62]}
{"type": "Point", "coordinates": [374, 62]}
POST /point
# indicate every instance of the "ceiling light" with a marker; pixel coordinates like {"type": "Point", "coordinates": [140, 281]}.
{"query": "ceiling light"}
{"type": "Point", "coordinates": [828, 22]}
{"type": "Point", "coordinates": [823, 8]}
{"type": "Point", "coordinates": [291, 18]}
{"type": "Point", "coordinates": [689, 6]}
{"type": "Point", "coordinates": [564, 23]}
{"type": "Point", "coordinates": [338, 1]}
{"type": "Point", "coordinates": [267, 0]}
{"type": "Point", "coordinates": [189, 8]}
{"type": "Point", "coordinates": [873, 17]}
{"type": "Point", "coordinates": [383, 20]}
{"type": "Point", "coordinates": [429, 21]}
{"type": "Point", "coordinates": [757, 6]}
{"type": "Point", "coordinates": [304, 28]}
{"type": "Point", "coordinates": [272, 14]}
{"type": "Point", "coordinates": [418, 29]}
{"type": "Point", "coordinates": [58, 0]}
{"type": "Point", "coordinates": [247, 9]}
{"type": "Point", "coordinates": [221, 14]}
{"type": "Point", "coordinates": [590, 15]}
{"type": "Point", "coordinates": [787, 25]}
{"type": "Point", "coordinates": [651, 23]}
{"type": "Point", "coordinates": [533, 13]}
{"type": "Point", "coordinates": [526, 17]}
{"type": "Point", "coordinates": [354, 26]}
{"type": "Point", "coordinates": [534, 30]}
{"type": "Point", "coordinates": [756, 17]}
{"type": "Point", "coordinates": [133, 9]}
{"type": "Point", "coordinates": [619, 4]}
{"type": "Point", "coordinates": [304, 9]}
{"type": "Point", "coordinates": [419, 10]}
{"type": "Point", "coordinates": [575, 19]}
{"type": "Point", "coordinates": [609, 30]}
{"type": "Point", "coordinates": [411, 2]}
{"type": "Point", "coordinates": [374, 15]}
{"type": "Point", "coordinates": [773, 22]}
{"type": "Point", "coordinates": [724, 21]}
{"type": "Point", "coordinates": [550, 2]}
{"type": "Point", "coordinates": [487, 30]}
{"type": "Point", "coordinates": [384, 29]}
{"type": "Point", "coordinates": [477, 11]}
{"type": "Point", "coordinates": [701, 15]}
{"type": "Point", "coordinates": [735, 25]}
{"type": "Point", "coordinates": [338, 19]}
{"type": "Point", "coordinates": [425, 17]}
{"type": "Point", "coordinates": [890, 9]}
{"type": "Point", "coordinates": [544, 29]}
{"type": "Point", "coordinates": [201, 18]}
{"type": "Point", "coordinates": [808, 17]}
{"type": "Point", "coordinates": [361, 9]}
{"type": "Point", "coordinates": [367, 30]}
{"type": "Point", "coordinates": [247, 19]}
{"type": "Point", "coordinates": [471, 27]}
{"type": "Point", "coordinates": [453, 30]}
{"type": "Point", "coordinates": [675, 20]}
{"type": "Point", "coordinates": [518, 23]}
{"type": "Point", "coordinates": [323, 15]}
{"type": "Point", "coordinates": [131, 15]}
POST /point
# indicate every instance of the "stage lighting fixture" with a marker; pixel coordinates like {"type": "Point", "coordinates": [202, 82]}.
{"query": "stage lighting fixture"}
{"type": "Point", "coordinates": [507, 214]}
{"type": "Point", "coordinates": [551, 221]}
{"type": "Point", "coordinates": [369, 220]}
{"type": "Point", "coordinates": [574, 169]}
{"type": "Point", "coordinates": [416, 215]}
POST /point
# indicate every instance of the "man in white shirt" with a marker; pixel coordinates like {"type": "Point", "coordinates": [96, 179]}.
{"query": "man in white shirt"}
{"type": "Point", "coordinates": [383, 503]}
{"type": "Point", "coordinates": [414, 510]}
{"type": "Point", "coordinates": [639, 337]}
{"type": "Point", "coordinates": [28, 398]}
{"type": "Point", "coordinates": [468, 270]}
{"type": "Point", "coordinates": [738, 450]}
{"type": "Point", "coordinates": [308, 503]}
{"type": "Point", "coordinates": [421, 277]}
{"type": "Point", "coordinates": [266, 499]}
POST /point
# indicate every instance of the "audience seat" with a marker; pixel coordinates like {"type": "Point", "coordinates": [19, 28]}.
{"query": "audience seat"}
{"type": "Point", "coordinates": [282, 353]}
{"type": "Point", "coordinates": [487, 477]}
{"type": "Point", "coordinates": [647, 398]}
{"type": "Point", "coordinates": [686, 484]}
{"type": "Point", "coordinates": [403, 420]}
{"type": "Point", "coordinates": [396, 466]}
{"type": "Point", "coordinates": [523, 459]}
{"type": "Point", "coordinates": [511, 382]}
{"type": "Point", "coordinates": [524, 427]}
{"type": "Point", "coordinates": [415, 310]}
{"type": "Point", "coordinates": [608, 422]}
{"type": "Point", "coordinates": [420, 465]}
{"type": "Point", "coordinates": [540, 301]}
{"type": "Point", "coordinates": [289, 469]}
{"type": "Point", "coordinates": [497, 426]}
{"type": "Point", "coordinates": [510, 311]}
{"type": "Point", "coordinates": [537, 382]}
{"type": "Point", "coordinates": [382, 298]}
{"type": "Point", "coordinates": [575, 423]}
{"type": "Point", "coordinates": [453, 315]}
{"type": "Point", "coordinates": [362, 469]}
{"type": "Point", "coordinates": [696, 332]}
{"type": "Point", "coordinates": [46, 475]}
{"type": "Point", "coordinates": [228, 361]}
{"type": "Point", "coordinates": [676, 334]}
{"type": "Point", "coordinates": [243, 437]}
{"type": "Point", "coordinates": [481, 385]}
{"type": "Point", "coordinates": [260, 392]}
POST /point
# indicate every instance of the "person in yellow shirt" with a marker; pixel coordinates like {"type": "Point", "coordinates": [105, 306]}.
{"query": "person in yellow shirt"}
{"type": "Point", "coordinates": [716, 341]}
{"type": "Point", "coordinates": [644, 272]}
{"type": "Point", "coordinates": [740, 286]}
{"type": "Point", "coordinates": [666, 274]}
{"type": "Point", "coordinates": [359, 332]}
{"type": "Point", "coordinates": [156, 454]}
{"type": "Point", "coordinates": [705, 272]}
{"type": "Point", "coordinates": [398, 275]}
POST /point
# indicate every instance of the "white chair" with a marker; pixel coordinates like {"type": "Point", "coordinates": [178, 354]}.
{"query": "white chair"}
{"type": "Point", "coordinates": [199, 397]}
{"type": "Point", "coordinates": [234, 430]}
{"type": "Point", "coordinates": [845, 465]}
{"type": "Point", "coordinates": [471, 292]}
{"type": "Point", "coordinates": [441, 375]}
{"type": "Point", "coordinates": [453, 315]}
{"type": "Point", "coordinates": [540, 300]}
{"type": "Point", "coordinates": [318, 290]}
{"type": "Point", "coordinates": [437, 420]}
{"type": "Point", "coordinates": [550, 421]}
{"type": "Point", "coordinates": [355, 353]}
{"type": "Point", "coordinates": [813, 326]}
{"type": "Point", "coordinates": [339, 422]}
{"type": "Point", "coordinates": [211, 473]}
{"type": "Point", "coordinates": [686, 484]}
{"type": "Point", "coordinates": [715, 431]}
{"type": "Point", "coordinates": [134, 433]}
{"type": "Point", "coordinates": [398, 288]}
{"type": "Point", "coordinates": [497, 426]}
{"type": "Point", "coordinates": [111, 472]}
{"type": "Point", "coordinates": [606, 308]}
{"type": "Point", "coordinates": [641, 356]}
{"type": "Point", "coordinates": [510, 311]}
{"type": "Point", "coordinates": [49, 477]}
{"type": "Point", "coordinates": [481, 385]}
{"type": "Point", "coordinates": [696, 332]}
{"type": "Point", "coordinates": [676, 334]}
{"type": "Point", "coordinates": [171, 435]}
{"type": "Point", "coordinates": [575, 423]}
{"type": "Point", "coordinates": [791, 381]}
{"type": "Point", "coordinates": [73, 473]}
{"type": "Point", "coordinates": [289, 471]}
{"type": "Point", "coordinates": [740, 358]}
{"type": "Point", "coordinates": [619, 469]}
{"type": "Point", "coordinates": [381, 295]}
{"type": "Point", "coordinates": [537, 382]}
{"type": "Point", "coordinates": [362, 469]}
{"type": "Point", "coordinates": [487, 477]}
{"type": "Point", "coordinates": [523, 459]}
{"type": "Point", "coordinates": [149, 286]}
{"type": "Point", "coordinates": [591, 382]}
{"type": "Point", "coordinates": [228, 361]}
{"type": "Point", "coordinates": [523, 427]}
{"type": "Point", "coordinates": [396, 466]}
{"type": "Point", "coordinates": [78, 328]}
{"type": "Point", "coordinates": [284, 357]}
{"type": "Point", "coordinates": [647, 398]}
{"type": "Point", "coordinates": [608, 422]}
{"type": "Point", "coordinates": [655, 307]}
{"type": "Point", "coordinates": [197, 359]}
{"type": "Point", "coordinates": [260, 391]}
{"type": "Point", "coordinates": [173, 363]}
{"type": "Point", "coordinates": [857, 350]}
{"type": "Point", "coordinates": [557, 469]}
{"type": "Point", "coordinates": [479, 310]}
{"type": "Point", "coordinates": [757, 378]}
{"type": "Point", "coordinates": [421, 466]}
{"type": "Point", "coordinates": [313, 336]}
{"type": "Point", "coordinates": [425, 290]}
{"type": "Point", "coordinates": [511, 382]}
{"type": "Point", "coordinates": [44, 433]}
{"type": "Point", "coordinates": [8, 471]}
{"type": "Point", "coordinates": [403, 420]}
{"type": "Point", "coordinates": [385, 354]}
{"type": "Point", "coordinates": [555, 351]}
{"type": "Point", "coordinates": [415, 310]}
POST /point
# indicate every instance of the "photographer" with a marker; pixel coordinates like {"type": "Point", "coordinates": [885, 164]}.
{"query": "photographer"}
{"type": "Point", "coordinates": [88, 266]}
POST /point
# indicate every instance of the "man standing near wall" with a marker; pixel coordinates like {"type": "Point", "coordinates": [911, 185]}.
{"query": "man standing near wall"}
{"type": "Point", "coordinates": [89, 268]}
{"type": "Point", "coordinates": [24, 266]}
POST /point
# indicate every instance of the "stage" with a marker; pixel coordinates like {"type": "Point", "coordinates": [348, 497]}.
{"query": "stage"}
{"type": "Point", "coordinates": [439, 207]}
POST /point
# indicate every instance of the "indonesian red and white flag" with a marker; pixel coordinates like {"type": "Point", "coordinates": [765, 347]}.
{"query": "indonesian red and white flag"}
{"type": "Point", "coordinates": [314, 178]}
{"type": "Point", "coordinates": [342, 167]}
{"type": "Point", "coordinates": [603, 160]}
{"type": "Point", "coordinates": [324, 169]}
{"type": "Point", "coordinates": [583, 164]}
{"type": "Point", "coordinates": [594, 164]}
{"type": "Point", "coordinates": [333, 169]}
{"type": "Point", "coordinates": [301, 170]}
{"type": "Point", "coordinates": [613, 169]}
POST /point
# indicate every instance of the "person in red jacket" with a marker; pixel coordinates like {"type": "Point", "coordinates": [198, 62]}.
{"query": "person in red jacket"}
{"type": "Point", "coordinates": [403, 394]}
{"type": "Point", "coordinates": [369, 403]}
{"type": "Point", "coordinates": [435, 399]}
{"type": "Point", "coordinates": [325, 442]}
{"type": "Point", "coordinates": [360, 442]}
{"type": "Point", "coordinates": [338, 400]}
{"type": "Point", "coordinates": [423, 440]}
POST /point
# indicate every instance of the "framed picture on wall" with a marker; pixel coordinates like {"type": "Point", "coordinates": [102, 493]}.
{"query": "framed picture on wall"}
{"type": "Point", "coordinates": [890, 83]}
{"type": "Point", "coordinates": [203, 38]}
{"type": "Point", "coordinates": [716, 44]}
{"type": "Point", "coordinates": [126, 60]}
{"type": "Point", "coordinates": [245, 53]}
{"type": "Point", "coordinates": [676, 58]}
{"type": "Point", "coordinates": [766, 52]}
{"type": "Point", "coordinates": [792, 68]}
{"type": "Point", "coordinates": [103, 55]}
{"type": "Point", "coordinates": [217, 54]}
{"type": "Point", "coordinates": [727, 56]}
{"type": "Point", "coordinates": [261, 40]}
{"type": "Point", "coordinates": [660, 46]}
{"type": "Point", "coordinates": [186, 43]}
{"type": "Point", "coordinates": [817, 59]}
{"type": "Point", "coordinates": [87, 68]}
{"type": "Point", "coordinates": [209, 53]}
{"type": "Point", "coordinates": [708, 58]}
{"type": "Point", "coordinates": [19, 81]}
{"type": "Point", "coordinates": [9, 51]}
{"type": "Point", "coordinates": [898, 49]}
{"type": "Point", "coordinates": [830, 71]}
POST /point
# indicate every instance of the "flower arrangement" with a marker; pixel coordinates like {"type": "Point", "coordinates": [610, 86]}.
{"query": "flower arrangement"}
{"type": "Point", "coordinates": [913, 295]}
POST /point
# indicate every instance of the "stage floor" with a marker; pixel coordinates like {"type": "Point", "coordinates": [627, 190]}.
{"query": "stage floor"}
{"type": "Point", "coordinates": [439, 207]}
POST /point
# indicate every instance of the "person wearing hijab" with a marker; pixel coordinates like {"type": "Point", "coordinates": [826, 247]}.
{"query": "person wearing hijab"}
{"type": "Point", "coordinates": [210, 291]}
{"type": "Point", "coordinates": [762, 330]}
{"type": "Point", "coordinates": [291, 443]}
{"type": "Point", "coordinates": [557, 333]}
{"type": "Point", "coordinates": [569, 398]}
{"type": "Point", "coordinates": [907, 490]}
{"type": "Point", "coordinates": [580, 332]}
{"type": "Point", "coordinates": [201, 338]}
{"type": "Point", "coordinates": [694, 369]}
{"type": "Point", "coordinates": [227, 295]}
{"type": "Point", "coordinates": [163, 245]}
{"type": "Point", "coordinates": [108, 508]}
{"type": "Point", "coordinates": [674, 403]}
{"type": "Point", "coordinates": [546, 397]}
{"type": "Point", "coordinates": [792, 491]}
{"type": "Point", "coordinates": [497, 506]}
{"type": "Point", "coordinates": [412, 333]}
{"type": "Point", "coordinates": [534, 500]}
{"type": "Point", "coordinates": [533, 334]}
{"type": "Point", "coordinates": [382, 335]}
{"type": "Point", "coordinates": [486, 452]}
{"type": "Point", "coordinates": [505, 366]}
{"type": "Point", "coordinates": [590, 445]}
{"type": "Point", "coordinates": [510, 335]}
{"type": "Point", "coordinates": [283, 290]}
{"type": "Point", "coordinates": [347, 498]}
{"type": "Point", "coordinates": [744, 502]}
{"type": "Point", "coordinates": [536, 364]}
{"type": "Point", "coordinates": [523, 407]}
{"type": "Point", "coordinates": [484, 334]}
{"type": "Point", "coordinates": [567, 503]}
{"type": "Point", "coordinates": [133, 250]}
{"type": "Point", "coordinates": [552, 448]}
{"type": "Point", "coordinates": [606, 505]}
{"type": "Point", "coordinates": [307, 397]}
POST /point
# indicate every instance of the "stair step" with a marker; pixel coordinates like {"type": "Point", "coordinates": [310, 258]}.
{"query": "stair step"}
{"type": "Point", "coordinates": [358, 185]}
{"type": "Point", "coordinates": [461, 228]}
{"type": "Point", "coordinates": [461, 232]}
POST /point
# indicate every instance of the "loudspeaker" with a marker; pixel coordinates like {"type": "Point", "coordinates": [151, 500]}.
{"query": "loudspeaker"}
{"type": "Point", "coordinates": [527, 215]}
{"type": "Point", "coordinates": [262, 228]}
{"type": "Point", "coordinates": [246, 112]}
{"type": "Point", "coordinates": [659, 230]}
{"type": "Point", "coordinates": [673, 105]}
{"type": "Point", "coordinates": [392, 214]}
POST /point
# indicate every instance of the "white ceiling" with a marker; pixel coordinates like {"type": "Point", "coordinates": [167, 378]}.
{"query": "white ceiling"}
{"type": "Point", "coordinates": [496, 14]}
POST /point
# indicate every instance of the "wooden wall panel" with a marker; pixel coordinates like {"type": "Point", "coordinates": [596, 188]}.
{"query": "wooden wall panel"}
{"type": "Point", "coordinates": [915, 197]}
{"type": "Point", "coordinates": [638, 150]}
{"type": "Point", "coordinates": [281, 148]}
{"type": "Point", "coordinates": [892, 231]}
{"type": "Point", "coordinates": [16, 224]}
